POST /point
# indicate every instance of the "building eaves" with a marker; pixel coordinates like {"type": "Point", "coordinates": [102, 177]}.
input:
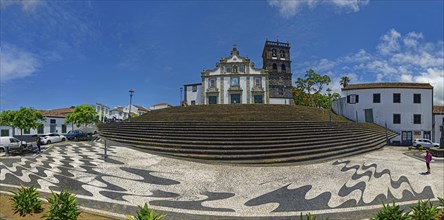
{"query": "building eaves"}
{"type": "Point", "coordinates": [388, 86]}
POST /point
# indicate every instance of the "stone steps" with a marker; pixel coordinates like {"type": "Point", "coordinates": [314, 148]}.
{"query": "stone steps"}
{"type": "Point", "coordinates": [249, 142]}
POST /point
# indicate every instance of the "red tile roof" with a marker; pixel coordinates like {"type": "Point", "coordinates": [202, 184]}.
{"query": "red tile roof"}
{"type": "Point", "coordinates": [60, 112]}
{"type": "Point", "coordinates": [388, 86]}
{"type": "Point", "coordinates": [438, 109]}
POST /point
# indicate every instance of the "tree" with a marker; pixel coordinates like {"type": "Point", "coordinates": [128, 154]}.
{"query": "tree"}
{"type": "Point", "coordinates": [344, 81]}
{"type": "Point", "coordinates": [7, 119]}
{"type": "Point", "coordinates": [82, 114]}
{"type": "Point", "coordinates": [27, 118]}
{"type": "Point", "coordinates": [308, 91]}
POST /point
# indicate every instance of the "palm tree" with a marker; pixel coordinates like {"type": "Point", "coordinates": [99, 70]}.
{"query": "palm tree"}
{"type": "Point", "coordinates": [344, 81]}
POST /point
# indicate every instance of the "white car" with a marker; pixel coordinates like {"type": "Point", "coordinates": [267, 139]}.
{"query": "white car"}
{"type": "Point", "coordinates": [12, 143]}
{"type": "Point", "coordinates": [425, 143]}
{"type": "Point", "coordinates": [52, 138]}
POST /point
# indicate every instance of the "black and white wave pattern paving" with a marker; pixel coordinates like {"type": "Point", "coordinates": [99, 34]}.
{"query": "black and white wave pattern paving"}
{"type": "Point", "coordinates": [133, 177]}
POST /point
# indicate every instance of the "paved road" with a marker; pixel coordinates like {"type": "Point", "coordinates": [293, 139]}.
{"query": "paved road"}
{"type": "Point", "coordinates": [351, 187]}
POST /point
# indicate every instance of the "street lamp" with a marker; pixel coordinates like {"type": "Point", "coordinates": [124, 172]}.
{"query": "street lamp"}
{"type": "Point", "coordinates": [330, 104]}
{"type": "Point", "coordinates": [131, 91]}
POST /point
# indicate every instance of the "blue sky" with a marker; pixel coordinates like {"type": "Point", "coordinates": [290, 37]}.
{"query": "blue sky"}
{"type": "Point", "coordinates": [57, 54]}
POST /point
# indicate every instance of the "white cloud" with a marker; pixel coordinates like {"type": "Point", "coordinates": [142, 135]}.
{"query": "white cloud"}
{"type": "Point", "coordinates": [288, 8]}
{"type": "Point", "coordinates": [398, 59]}
{"type": "Point", "coordinates": [27, 5]}
{"type": "Point", "coordinates": [390, 42]}
{"type": "Point", "coordinates": [16, 63]}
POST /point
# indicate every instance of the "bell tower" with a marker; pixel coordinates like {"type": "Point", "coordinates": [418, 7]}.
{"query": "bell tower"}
{"type": "Point", "coordinates": [276, 59]}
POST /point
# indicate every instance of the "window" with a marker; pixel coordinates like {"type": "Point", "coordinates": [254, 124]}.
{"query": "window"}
{"type": "Point", "coordinates": [396, 118]}
{"type": "Point", "coordinates": [27, 131]}
{"type": "Point", "coordinates": [353, 99]}
{"type": "Point", "coordinates": [257, 82]}
{"type": "Point", "coordinates": [63, 128]}
{"type": "Point", "coordinates": [212, 99]}
{"type": "Point", "coordinates": [40, 129]}
{"type": "Point", "coordinates": [52, 121]}
{"type": "Point", "coordinates": [417, 119]}
{"type": "Point", "coordinates": [228, 69]}
{"type": "Point", "coordinates": [274, 53]}
{"type": "Point", "coordinates": [193, 102]}
{"type": "Point", "coordinates": [242, 69]}
{"type": "Point", "coordinates": [376, 98]}
{"type": "Point", "coordinates": [212, 83]}
{"type": "Point", "coordinates": [4, 133]}
{"type": "Point", "coordinates": [275, 66]}
{"type": "Point", "coordinates": [194, 88]}
{"type": "Point", "coordinates": [396, 97]}
{"type": "Point", "coordinates": [235, 98]}
{"type": "Point", "coordinates": [258, 99]}
{"type": "Point", "coordinates": [282, 54]}
{"type": "Point", "coordinates": [283, 68]}
{"type": "Point", "coordinates": [416, 98]}
{"type": "Point", "coordinates": [281, 91]}
{"type": "Point", "coordinates": [234, 82]}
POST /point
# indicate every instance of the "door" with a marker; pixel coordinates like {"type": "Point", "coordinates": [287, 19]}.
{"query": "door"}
{"type": "Point", "coordinates": [427, 135]}
{"type": "Point", "coordinates": [235, 99]}
{"type": "Point", "coordinates": [368, 115]}
{"type": "Point", "coordinates": [406, 138]}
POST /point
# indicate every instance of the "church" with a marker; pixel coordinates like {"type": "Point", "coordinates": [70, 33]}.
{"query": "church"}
{"type": "Point", "coordinates": [235, 80]}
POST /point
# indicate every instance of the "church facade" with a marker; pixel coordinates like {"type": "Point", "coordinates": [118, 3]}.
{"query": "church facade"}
{"type": "Point", "coordinates": [235, 80]}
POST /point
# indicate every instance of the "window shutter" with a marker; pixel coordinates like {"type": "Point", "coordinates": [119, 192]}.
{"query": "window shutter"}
{"type": "Point", "coordinates": [357, 98]}
{"type": "Point", "coordinates": [348, 99]}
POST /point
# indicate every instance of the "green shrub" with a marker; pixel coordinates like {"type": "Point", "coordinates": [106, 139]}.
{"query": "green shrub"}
{"type": "Point", "coordinates": [145, 214]}
{"type": "Point", "coordinates": [63, 206]}
{"type": "Point", "coordinates": [424, 211]}
{"type": "Point", "coordinates": [25, 200]}
{"type": "Point", "coordinates": [309, 217]}
{"type": "Point", "coordinates": [393, 212]}
{"type": "Point", "coordinates": [441, 200]}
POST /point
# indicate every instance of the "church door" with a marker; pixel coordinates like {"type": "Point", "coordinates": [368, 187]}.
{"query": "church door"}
{"type": "Point", "coordinates": [235, 98]}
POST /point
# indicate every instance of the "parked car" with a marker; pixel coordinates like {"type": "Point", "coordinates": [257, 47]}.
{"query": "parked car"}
{"type": "Point", "coordinates": [12, 143]}
{"type": "Point", "coordinates": [77, 135]}
{"type": "Point", "coordinates": [425, 143]}
{"type": "Point", "coordinates": [52, 138]}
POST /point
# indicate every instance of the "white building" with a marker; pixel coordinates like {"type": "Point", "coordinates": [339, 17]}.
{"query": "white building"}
{"type": "Point", "coordinates": [118, 113]}
{"type": "Point", "coordinates": [193, 94]}
{"type": "Point", "coordinates": [160, 106]}
{"type": "Point", "coordinates": [103, 111]}
{"type": "Point", "coordinates": [54, 123]}
{"type": "Point", "coordinates": [122, 113]}
{"type": "Point", "coordinates": [405, 108]}
{"type": "Point", "coordinates": [438, 120]}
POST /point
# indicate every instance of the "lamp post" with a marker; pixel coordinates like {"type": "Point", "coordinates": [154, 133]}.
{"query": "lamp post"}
{"type": "Point", "coordinates": [330, 105]}
{"type": "Point", "coordinates": [131, 91]}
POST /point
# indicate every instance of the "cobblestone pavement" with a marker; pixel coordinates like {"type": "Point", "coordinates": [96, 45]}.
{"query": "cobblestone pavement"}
{"type": "Point", "coordinates": [184, 189]}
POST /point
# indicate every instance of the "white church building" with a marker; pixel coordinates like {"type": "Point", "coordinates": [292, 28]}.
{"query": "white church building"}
{"type": "Point", "coordinates": [236, 80]}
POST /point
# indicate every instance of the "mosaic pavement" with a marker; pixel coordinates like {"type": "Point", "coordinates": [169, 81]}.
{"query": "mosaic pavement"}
{"type": "Point", "coordinates": [131, 177]}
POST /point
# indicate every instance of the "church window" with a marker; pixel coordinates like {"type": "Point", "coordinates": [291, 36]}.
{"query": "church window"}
{"type": "Point", "coordinates": [234, 82]}
{"type": "Point", "coordinates": [283, 68]}
{"type": "Point", "coordinates": [194, 88]}
{"type": "Point", "coordinates": [275, 66]}
{"type": "Point", "coordinates": [282, 54]}
{"type": "Point", "coordinates": [228, 69]}
{"type": "Point", "coordinates": [222, 69]}
{"type": "Point", "coordinates": [281, 91]}
{"type": "Point", "coordinates": [258, 82]}
{"type": "Point", "coordinates": [212, 99]}
{"type": "Point", "coordinates": [242, 69]}
{"type": "Point", "coordinates": [212, 83]}
{"type": "Point", "coordinates": [274, 53]}
{"type": "Point", "coordinates": [258, 99]}
{"type": "Point", "coordinates": [234, 69]}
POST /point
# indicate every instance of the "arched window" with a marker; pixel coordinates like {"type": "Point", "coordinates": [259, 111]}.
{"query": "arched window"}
{"type": "Point", "coordinates": [275, 66]}
{"type": "Point", "coordinates": [283, 68]}
{"type": "Point", "coordinates": [274, 53]}
{"type": "Point", "coordinates": [282, 54]}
